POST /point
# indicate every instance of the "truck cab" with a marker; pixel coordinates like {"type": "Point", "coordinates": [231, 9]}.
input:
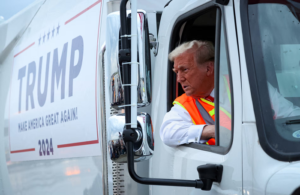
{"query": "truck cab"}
{"type": "Point", "coordinates": [65, 76]}
{"type": "Point", "coordinates": [251, 49]}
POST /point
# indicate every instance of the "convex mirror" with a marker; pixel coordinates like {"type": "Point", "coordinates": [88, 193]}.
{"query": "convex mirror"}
{"type": "Point", "coordinates": [143, 148]}
{"type": "Point", "coordinates": [116, 92]}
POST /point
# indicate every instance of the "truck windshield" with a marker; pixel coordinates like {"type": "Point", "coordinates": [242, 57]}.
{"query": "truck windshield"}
{"type": "Point", "coordinates": [275, 38]}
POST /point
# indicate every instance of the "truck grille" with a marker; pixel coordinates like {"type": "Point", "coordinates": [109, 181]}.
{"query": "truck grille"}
{"type": "Point", "coordinates": [118, 178]}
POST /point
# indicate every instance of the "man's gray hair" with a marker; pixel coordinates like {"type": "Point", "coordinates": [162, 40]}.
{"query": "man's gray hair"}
{"type": "Point", "coordinates": [204, 51]}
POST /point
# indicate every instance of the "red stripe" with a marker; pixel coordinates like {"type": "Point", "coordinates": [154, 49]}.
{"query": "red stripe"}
{"type": "Point", "coordinates": [9, 103]}
{"type": "Point", "coordinates": [86, 9]}
{"type": "Point", "coordinates": [78, 144]}
{"type": "Point", "coordinates": [24, 49]}
{"type": "Point", "coordinates": [26, 150]}
{"type": "Point", "coordinates": [141, 22]}
{"type": "Point", "coordinates": [96, 72]}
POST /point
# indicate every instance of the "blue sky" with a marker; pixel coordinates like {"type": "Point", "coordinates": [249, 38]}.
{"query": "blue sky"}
{"type": "Point", "coordinates": [9, 8]}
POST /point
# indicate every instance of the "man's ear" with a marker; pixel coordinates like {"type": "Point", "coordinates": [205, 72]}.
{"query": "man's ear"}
{"type": "Point", "coordinates": [210, 68]}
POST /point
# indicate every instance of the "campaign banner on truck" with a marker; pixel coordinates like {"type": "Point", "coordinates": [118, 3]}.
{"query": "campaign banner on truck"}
{"type": "Point", "coordinates": [53, 91]}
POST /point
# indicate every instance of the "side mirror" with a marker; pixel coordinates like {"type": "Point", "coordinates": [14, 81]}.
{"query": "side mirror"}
{"type": "Point", "coordinates": [144, 146]}
{"type": "Point", "coordinates": [116, 91]}
{"type": "Point", "coordinates": [153, 44]}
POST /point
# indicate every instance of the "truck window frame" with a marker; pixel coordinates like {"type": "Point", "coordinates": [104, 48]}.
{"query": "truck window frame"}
{"type": "Point", "coordinates": [171, 87]}
{"type": "Point", "coordinates": [257, 75]}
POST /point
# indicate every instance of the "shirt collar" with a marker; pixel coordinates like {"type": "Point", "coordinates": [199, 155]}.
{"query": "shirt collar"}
{"type": "Point", "coordinates": [212, 94]}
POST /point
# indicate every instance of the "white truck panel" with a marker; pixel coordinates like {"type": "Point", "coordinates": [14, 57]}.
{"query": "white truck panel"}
{"type": "Point", "coordinates": [248, 112]}
{"type": "Point", "coordinates": [64, 176]}
{"type": "Point", "coordinates": [278, 185]}
{"type": "Point", "coordinates": [258, 167]}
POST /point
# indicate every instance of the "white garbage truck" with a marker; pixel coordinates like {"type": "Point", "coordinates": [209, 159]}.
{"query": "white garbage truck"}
{"type": "Point", "coordinates": [85, 85]}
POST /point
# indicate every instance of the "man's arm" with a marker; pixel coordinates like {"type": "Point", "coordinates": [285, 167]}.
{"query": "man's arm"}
{"type": "Point", "coordinates": [177, 128]}
{"type": "Point", "coordinates": [208, 132]}
{"type": "Point", "coordinates": [281, 106]}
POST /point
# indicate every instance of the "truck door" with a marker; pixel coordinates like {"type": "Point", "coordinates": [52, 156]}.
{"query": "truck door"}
{"type": "Point", "coordinates": [200, 20]}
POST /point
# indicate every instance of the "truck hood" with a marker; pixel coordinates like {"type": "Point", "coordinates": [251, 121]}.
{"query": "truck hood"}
{"type": "Point", "coordinates": [285, 181]}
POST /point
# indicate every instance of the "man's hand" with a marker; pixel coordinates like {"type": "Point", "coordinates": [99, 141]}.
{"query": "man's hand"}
{"type": "Point", "coordinates": [208, 132]}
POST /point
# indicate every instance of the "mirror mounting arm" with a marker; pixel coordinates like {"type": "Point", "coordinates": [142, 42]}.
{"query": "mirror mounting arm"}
{"type": "Point", "coordinates": [124, 30]}
{"type": "Point", "coordinates": [208, 174]}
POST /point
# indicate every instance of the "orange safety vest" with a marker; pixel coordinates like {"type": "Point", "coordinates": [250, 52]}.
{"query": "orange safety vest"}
{"type": "Point", "coordinates": [189, 104]}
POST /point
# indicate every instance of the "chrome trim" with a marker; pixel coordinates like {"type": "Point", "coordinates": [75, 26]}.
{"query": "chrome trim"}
{"type": "Point", "coordinates": [103, 121]}
{"type": "Point", "coordinates": [118, 177]}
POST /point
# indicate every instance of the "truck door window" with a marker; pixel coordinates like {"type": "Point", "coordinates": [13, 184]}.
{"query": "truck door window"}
{"type": "Point", "coordinates": [274, 74]}
{"type": "Point", "coordinates": [202, 26]}
{"type": "Point", "coordinates": [225, 97]}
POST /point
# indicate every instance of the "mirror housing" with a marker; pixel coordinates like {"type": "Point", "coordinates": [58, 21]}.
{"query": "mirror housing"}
{"type": "Point", "coordinates": [116, 91]}
{"type": "Point", "coordinates": [143, 148]}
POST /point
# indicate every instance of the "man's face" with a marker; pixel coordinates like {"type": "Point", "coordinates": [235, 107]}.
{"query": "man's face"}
{"type": "Point", "coordinates": [196, 80]}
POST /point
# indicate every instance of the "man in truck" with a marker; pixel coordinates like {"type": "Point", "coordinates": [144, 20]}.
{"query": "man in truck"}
{"type": "Point", "coordinates": [194, 66]}
{"type": "Point", "coordinates": [191, 119]}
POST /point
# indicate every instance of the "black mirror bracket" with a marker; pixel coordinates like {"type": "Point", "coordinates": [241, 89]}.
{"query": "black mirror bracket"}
{"type": "Point", "coordinates": [124, 56]}
{"type": "Point", "coordinates": [208, 173]}
{"type": "Point", "coordinates": [129, 135]}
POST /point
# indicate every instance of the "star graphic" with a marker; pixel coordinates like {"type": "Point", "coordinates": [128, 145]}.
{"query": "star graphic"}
{"type": "Point", "coordinates": [53, 32]}
{"type": "Point", "coordinates": [44, 37]}
{"type": "Point", "coordinates": [57, 28]}
{"type": "Point", "coordinates": [40, 40]}
{"type": "Point", "coordinates": [48, 34]}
